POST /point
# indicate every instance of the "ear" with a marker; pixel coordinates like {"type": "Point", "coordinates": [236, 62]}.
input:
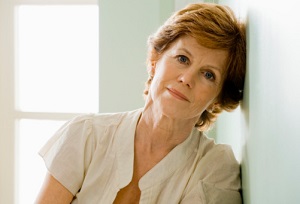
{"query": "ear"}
{"type": "Point", "coordinates": [152, 60]}
{"type": "Point", "coordinates": [151, 69]}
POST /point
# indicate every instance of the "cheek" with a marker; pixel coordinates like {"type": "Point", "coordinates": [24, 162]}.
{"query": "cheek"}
{"type": "Point", "coordinates": [159, 80]}
{"type": "Point", "coordinates": [155, 86]}
{"type": "Point", "coordinates": [205, 97]}
{"type": "Point", "coordinates": [164, 67]}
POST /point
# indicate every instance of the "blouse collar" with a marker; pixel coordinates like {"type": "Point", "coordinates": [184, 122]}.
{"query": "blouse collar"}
{"type": "Point", "coordinates": [162, 170]}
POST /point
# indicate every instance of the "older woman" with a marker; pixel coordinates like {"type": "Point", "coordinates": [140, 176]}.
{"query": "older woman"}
{"type": "Point", "coordinates": [159, 154]}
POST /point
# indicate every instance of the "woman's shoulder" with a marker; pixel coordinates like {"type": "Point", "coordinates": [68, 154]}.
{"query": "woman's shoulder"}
{"type": "Point", "coordinates": [103, 119]}
{"type": "Point", "coordinates": [218, 164]}
{"type": "Point", "coordinates": [216, 176]}
{"type": "Point", "coordinates": [211, 149]}
{"type": "Point", "coordinates": [92, 126]}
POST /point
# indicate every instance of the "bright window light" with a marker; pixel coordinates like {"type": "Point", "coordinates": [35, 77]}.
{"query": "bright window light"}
{"type": "Point", "coordinates": [57, 58]}
{"type": "Point", "coordinates": [57, 72]}
{"type": "Point", "coordinates": [30, 167]}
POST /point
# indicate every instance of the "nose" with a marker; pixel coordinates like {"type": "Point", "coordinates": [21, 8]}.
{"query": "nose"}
{"type": "Point", "coordinates": [187, 78]}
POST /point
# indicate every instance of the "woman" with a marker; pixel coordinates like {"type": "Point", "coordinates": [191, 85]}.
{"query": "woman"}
{"type": "Point", "coordinates": [159, 154]}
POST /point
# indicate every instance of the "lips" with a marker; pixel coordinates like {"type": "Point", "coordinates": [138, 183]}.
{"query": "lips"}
{"type": "Point", "coordinates": [177, 94]}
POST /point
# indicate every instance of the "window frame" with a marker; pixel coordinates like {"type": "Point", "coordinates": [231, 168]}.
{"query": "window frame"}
{"type": "Point", "coordinates": [9, 114]}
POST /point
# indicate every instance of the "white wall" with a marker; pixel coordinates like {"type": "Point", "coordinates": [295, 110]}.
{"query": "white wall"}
{"type": "Point", "coordinates": [124, 29]}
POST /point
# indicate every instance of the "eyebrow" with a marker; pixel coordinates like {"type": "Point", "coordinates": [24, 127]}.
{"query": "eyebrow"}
{"type": "Point", "coordinates": [185, 50]}
{"type": "Point", "coordinates": [213, 67]}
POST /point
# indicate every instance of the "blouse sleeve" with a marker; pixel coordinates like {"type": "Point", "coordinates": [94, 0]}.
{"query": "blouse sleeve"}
{"type": "Point", "coordinates": [219, 183]}
{"type": "Point", "coordinates": [68, 153]}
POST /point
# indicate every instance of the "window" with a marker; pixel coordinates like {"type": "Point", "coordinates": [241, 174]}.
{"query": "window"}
{"type": "Point", "coordinates": [57, 58]}
{"type": "Point", "coordinates": [55, 75]}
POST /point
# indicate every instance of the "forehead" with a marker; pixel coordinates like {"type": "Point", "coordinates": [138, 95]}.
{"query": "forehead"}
{"type": "Point", "coordinates": [191, 43]}
{"type": "Point", "coordinates": [197, 52]}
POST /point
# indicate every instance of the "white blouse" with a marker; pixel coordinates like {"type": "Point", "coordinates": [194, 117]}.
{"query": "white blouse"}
{"type": "Point", "coordinates": [92, 156]}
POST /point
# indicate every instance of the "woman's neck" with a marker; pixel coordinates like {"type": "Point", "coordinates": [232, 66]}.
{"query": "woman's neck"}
{"type": "Point", "coordinates": [156, 131]}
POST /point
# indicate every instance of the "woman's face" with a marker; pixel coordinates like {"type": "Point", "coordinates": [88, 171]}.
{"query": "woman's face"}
{"type": "Point", "coordinates": [187, 79]}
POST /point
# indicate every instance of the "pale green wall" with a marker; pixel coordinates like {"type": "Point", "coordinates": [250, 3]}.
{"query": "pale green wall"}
{"type": "Point", "coordinates": [271, 161]}
{"type": "Point", "coordinates": [270, 115]}
{"type": "Point", "coordinates": [124, 29]}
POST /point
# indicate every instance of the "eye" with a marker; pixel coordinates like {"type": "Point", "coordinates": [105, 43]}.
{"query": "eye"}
{"type": "Point", "coordinates": [183, 59]}
{"type": "Point", "coordinates": [209, 75]}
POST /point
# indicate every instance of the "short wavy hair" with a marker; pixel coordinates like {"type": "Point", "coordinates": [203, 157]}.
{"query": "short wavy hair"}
{"type": "Point", "coordinates": [216, 27]}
